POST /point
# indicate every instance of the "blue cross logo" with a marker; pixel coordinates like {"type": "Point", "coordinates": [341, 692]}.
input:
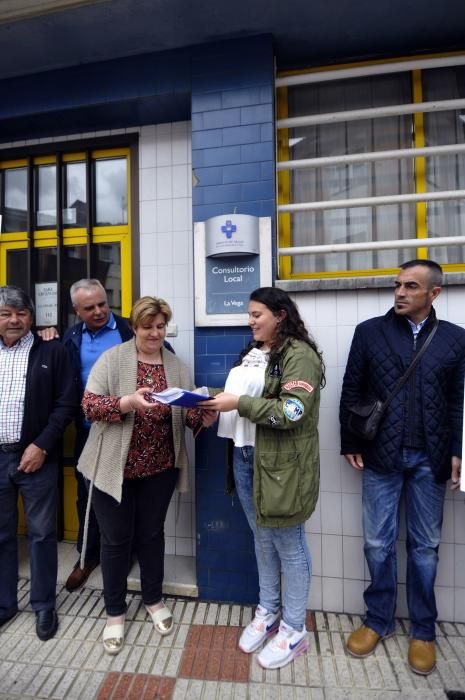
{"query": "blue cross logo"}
{"type": "Point", "coordinates": [229, 228]}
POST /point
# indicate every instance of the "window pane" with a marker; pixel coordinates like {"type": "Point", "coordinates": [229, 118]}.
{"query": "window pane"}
{"type": "Point", "coordinates": [46, 264]}
{"type": "Point", "coordinates": [15, 211]}
{"type": "Point", "coordinates": [74, 268]}
{"type": "Point", "coordinates": [343, 95]}
{"type": "Point", "coordinates": [74, 211]}
{"type": "Point", "coordinates": [16, 268]}
{"type": "Point", "coordinates": [351, 181]}
{"type": "Point", "coordinates": [111, 192]}
{"type": "Point", "coordinates": [447, 172]}
{"type": "Point", "coordinates": [108, 270]}
{"type": "Point", "coordinates": [46, 195]}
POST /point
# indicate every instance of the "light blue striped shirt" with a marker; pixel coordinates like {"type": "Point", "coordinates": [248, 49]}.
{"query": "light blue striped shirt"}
{"type": "Point", "coordinates": [416, 328]}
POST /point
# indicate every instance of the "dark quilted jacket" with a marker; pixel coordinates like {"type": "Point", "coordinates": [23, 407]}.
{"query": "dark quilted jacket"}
{"type": "Point", "coordinates": [382, 349]}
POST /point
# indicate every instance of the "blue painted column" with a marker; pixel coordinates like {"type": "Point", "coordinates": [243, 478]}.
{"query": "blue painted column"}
{"type": "Point", "coordinates": [233, 160]}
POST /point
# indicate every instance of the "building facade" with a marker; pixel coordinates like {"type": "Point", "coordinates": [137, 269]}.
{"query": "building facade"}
{"type": "Point", "coordinates": [107, 165]}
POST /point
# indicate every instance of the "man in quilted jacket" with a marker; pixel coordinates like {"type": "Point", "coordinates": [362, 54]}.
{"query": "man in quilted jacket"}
{"type": "Point", "coordinates": [417, 448]}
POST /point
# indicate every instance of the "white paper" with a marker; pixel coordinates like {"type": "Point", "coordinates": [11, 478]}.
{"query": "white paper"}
{"type": "Point", "coordinates": [180, 397]}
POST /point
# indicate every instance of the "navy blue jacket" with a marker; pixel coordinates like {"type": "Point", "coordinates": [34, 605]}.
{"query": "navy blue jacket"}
{"type": "Point", "coordinates": [51, 397]}
{"type": "Point", "coordinates": [72, 340]}
{"type": "Point", "coordinates": [381, 351]}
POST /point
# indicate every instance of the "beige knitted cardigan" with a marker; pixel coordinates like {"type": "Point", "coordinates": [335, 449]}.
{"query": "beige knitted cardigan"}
{"type": "Point", "coordinates": [106, 450]}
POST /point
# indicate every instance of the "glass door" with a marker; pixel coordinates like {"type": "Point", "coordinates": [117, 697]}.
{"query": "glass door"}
{"type": "Point", "coordinates": [65, 216]}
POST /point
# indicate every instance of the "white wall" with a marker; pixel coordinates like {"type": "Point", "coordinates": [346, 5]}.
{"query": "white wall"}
{"type": "Point", "coordinates": [334, 531]}
{"type": "Point", "coordinates": [166, 270]}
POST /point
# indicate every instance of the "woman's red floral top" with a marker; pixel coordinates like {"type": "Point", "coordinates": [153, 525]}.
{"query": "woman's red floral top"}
{"type": "Point", "coordinates": [151, 450]}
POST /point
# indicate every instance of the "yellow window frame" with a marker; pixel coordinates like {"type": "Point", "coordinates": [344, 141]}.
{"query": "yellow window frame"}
{"type": "Point", "coordinates": [109, 235]}
{"type": "Point", "coordinates": [126, 265]}
{"type": "Point", "coordinates": [5, 247]}
{"type": "Point", "coordinates": [284, 179]}
{"type": "Point", "coordinates": [47, 238]}
{"type": "Point", "coordinates": [7, 164]}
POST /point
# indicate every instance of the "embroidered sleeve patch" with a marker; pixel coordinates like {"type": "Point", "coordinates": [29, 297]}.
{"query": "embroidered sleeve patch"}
{"type": "Point", "coordinates": [293, 409]}
{"type": "Point", "coordinates": [298, 384]}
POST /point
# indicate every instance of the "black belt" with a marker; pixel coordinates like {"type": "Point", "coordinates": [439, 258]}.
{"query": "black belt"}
{"type": "Point", "coordinates": [10, 447]}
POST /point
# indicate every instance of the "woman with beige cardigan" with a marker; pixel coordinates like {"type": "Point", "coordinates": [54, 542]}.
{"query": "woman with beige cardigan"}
{"type": "Point", "coordinates": [134, 457]}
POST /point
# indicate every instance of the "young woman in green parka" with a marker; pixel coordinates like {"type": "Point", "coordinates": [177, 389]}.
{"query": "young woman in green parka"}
{"type": "Point", "coordinates": [269, 408]}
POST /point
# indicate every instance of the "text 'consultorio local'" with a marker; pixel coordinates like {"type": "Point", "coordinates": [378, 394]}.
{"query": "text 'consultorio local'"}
{"type": "Point", "coordinates": [232, 274]}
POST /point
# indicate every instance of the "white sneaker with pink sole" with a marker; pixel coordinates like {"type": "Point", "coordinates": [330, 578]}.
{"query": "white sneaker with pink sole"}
{"type": "Point", "coordinates": [285, 646]}
{"type": "Point", "coordinates": [263, 625]}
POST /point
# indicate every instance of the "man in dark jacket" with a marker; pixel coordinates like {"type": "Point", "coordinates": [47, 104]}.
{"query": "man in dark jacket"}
{"type": "Point", "coordinates": [37, 400]}
{"type": "Point", "coordinates": [417, 448]}
{"type": "Point", "coordinates": [98, 330]}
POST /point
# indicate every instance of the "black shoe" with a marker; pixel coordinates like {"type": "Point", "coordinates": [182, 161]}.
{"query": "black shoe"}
{"type": "Point", "coordinates": [6, 618]}
{"type": "Point", "coordinates": [46, 624]}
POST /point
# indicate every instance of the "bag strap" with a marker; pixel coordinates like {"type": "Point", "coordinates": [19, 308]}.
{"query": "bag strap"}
{"type": "Point", "coordinates": [412, 366]}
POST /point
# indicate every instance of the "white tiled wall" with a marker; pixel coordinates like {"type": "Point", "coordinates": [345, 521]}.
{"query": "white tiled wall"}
{"type": "Point", "coordinates": [334, 531]}
{"type": "Point", "coordinates": [166, 269]}
{"type": "Point", "coordinates": [166, 262]}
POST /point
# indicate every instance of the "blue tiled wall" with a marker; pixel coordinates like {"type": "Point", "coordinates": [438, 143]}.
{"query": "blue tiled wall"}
{"type": "Point", "coordinates": [233, 160]}
{"type": "Point", "coordinates": [132, 91]}
{"type": "Point", "coordinates": [226, 568]}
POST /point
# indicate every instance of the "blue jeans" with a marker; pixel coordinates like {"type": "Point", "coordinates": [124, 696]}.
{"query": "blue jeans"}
{"type": "Point", "coordinates": [39, 491]}
{"type": "Point", "coordinates": [424, 500]}
{"type": "Point", "coordinates": [278, 550]}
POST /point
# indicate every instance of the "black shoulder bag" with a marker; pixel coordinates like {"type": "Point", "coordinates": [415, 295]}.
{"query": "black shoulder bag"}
{"type": "Point", "coordinates": [365, 417]}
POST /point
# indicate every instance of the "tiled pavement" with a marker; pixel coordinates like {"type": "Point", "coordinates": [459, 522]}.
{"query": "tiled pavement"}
{"type": "Point", "coordinates": [200, 659]}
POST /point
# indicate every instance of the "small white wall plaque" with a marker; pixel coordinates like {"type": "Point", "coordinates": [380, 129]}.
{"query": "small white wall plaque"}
{"type": "Point", "coordinates": [46, 294]}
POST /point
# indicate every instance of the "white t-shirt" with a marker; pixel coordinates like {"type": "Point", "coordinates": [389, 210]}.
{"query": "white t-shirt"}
{"type": "Point", "coordinates": [246, 379]}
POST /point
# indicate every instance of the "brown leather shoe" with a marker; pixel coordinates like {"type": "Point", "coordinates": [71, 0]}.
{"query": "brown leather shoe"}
{"type": "Point", "coordinates": [363, 642]}
{"type": "Point", "coordinates": [79, 576]}
{"type": "Point", "coordinates": [421, 656]}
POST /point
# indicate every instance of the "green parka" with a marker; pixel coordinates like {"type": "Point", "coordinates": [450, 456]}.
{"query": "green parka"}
{"type": "Point", "coordinates": [286, 455]}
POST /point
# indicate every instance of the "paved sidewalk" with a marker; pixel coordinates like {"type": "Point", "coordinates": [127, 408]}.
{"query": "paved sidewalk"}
{"type": "Point", "coordinates": [200, 659]}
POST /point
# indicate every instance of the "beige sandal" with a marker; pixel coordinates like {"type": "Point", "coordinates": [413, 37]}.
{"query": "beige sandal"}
{"type": "Point", "coordinates": [162, 619]}
{"type": "Point", "coordinates": [113, 638]}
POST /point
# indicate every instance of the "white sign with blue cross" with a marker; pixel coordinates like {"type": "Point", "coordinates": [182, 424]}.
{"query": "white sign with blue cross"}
{"type": "Point", "coordinates": [232, 234]}
{"type": "Point", "coordinates": [232, 257]}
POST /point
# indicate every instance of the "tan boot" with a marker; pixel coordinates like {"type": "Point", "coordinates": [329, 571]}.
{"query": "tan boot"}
{"type": "Point", "coordinates": [363, 642]}
{"type": "Point", "coordinates": [421, 656]}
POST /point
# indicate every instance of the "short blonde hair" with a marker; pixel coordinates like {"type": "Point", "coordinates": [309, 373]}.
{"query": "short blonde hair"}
{"type": "Point", "coordinates": [148, 307]}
